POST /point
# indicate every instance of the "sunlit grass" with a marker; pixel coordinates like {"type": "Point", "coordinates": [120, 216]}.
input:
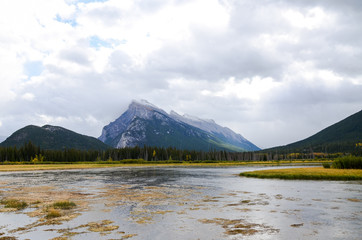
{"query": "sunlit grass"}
{"type": "Point", "coordinates": [53, 213]}
{"type": "Point", "coordinates": [64, 205]}
{"type": "Point", "coordinates": [14, 203]}
{"type": "Point", "coordinates": [317, 173]}
{"type": "Point", "coordinates": [60, 166]}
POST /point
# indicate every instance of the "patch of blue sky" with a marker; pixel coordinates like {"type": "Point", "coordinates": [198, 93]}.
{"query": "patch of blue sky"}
{"type": "Point", "coordinates": [97, 43]}
{"type": "Point", "coordinates": [33, 68]}
{"type": "Point", "coordinates": [72, 22]}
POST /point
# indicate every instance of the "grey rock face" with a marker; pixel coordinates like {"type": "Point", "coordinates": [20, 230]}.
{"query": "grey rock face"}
{"type": "Point", "coordinates": [145, 124]}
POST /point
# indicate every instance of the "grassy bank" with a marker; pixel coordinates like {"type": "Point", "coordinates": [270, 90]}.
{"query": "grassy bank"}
{"type": "Point", "coordinates": [104, 164]}
{"type": "Point", "coordinates": [317, 173]}
{"type": "Point", "coordinates": [348, 162]}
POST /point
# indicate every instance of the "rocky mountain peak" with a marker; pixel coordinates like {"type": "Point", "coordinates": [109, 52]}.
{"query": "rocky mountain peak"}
{"type": "Point", "coordinates": [144, 103]}
{"type": "Point", "coordinates": [145, 124]}
{"type": "Point", "coordinates": [143, 109]}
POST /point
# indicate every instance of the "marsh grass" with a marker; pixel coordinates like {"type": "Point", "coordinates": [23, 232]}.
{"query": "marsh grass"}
{"type": "Point", "coordinates": [64, 205]}
{"type": "Point", "coordinates": [348, 162]}
{"type": "Point", "coordinates": [8, 238]}
{"type": "Point", "coordinates": [103, 226]}
{"type": "Point", "coordinates": [55, 210]}
{"type": "Point", "coordinates": [326, 165]}
{"type": "Point", "coordinates": [14, 203]}
{"type": "Point", "coordinates": [53, 213]}
{"type": "Point", "coordinates": [317, 173]}
{"type": "Point", "coordinates": [240, 226]}
{"type": "Point", "coordinates": [106, 164]}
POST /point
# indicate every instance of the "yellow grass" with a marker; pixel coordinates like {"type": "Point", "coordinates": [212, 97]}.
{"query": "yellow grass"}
{"type": "Point", "coordinates": [28, 167]}
{"type": "Point", "coordinates": [317, 173]}
{"type": "Point", "coordinates": [23, 167]}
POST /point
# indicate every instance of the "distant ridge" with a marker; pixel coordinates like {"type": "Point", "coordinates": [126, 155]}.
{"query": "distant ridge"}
{"type": "Point", "coordinates": [145, 124]}
{"type": "Point", "coordinates": [53, 137]}
{"type": "Point", "coordinates": [339, 137]}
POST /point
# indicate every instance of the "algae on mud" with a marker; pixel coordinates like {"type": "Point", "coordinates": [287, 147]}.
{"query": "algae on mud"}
{"type": "Point", "coordinates": [185, 203]}
{"type": "Point", "coordinates": [52, 206]}
{"type": "Point", "coordinates": [149, 203]}
{"type": "Point", "coordinates": [317, 173]}
{"type": "Point", "coordinates": [45, 203]}
{"type": "Point", "coordinates": [240, 226]}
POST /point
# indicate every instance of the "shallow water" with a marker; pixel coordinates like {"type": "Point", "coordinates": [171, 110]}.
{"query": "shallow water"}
{"type": "Point", "coordinates": [184, 203]}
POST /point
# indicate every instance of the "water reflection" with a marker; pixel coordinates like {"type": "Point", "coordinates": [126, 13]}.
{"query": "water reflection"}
{"type": "Point", "coordinates": [180, 203]}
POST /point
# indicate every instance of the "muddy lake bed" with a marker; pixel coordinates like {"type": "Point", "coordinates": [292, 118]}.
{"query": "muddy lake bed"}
{"type": "Point", "coordinates": [177, 203]}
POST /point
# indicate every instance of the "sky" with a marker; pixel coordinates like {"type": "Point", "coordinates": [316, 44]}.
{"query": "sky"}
{"type": "Point", "coordinates": [275, 71]}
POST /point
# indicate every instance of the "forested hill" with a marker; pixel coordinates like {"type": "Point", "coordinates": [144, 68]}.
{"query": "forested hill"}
{"type": "Point", "coordinates": [53, 137]}
{"type": "Point", "coordinates": [339, 137]}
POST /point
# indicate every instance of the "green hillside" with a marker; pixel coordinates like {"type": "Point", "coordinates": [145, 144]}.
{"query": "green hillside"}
{"type": "Point", "coordinates": [53, 137]}
{"type": "Point", "coordinates": [339, 137]}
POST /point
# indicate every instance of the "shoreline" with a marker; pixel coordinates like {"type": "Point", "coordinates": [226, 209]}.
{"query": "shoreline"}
{"type": "Point", "coordinates": [73, 166]}
{"type": "Point", "coordinates": [318, 173]}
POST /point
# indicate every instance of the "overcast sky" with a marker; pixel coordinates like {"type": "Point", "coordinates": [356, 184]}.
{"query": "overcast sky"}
{"type": "Point", "coordinates": [274, 71]}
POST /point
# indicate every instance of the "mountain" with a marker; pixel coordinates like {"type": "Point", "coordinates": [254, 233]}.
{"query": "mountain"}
{"type": "Point", "coordinates": [145, 124]}
{"type": "Point", "coordinates": [53, 137]}
{"type": "Point", "coordinates": [339, 137]}
{"type": "Point", "coordinates": [2, 138]}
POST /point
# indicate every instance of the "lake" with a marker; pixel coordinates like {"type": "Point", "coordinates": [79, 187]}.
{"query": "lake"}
{"type": "Point", "coordinates": [178, 203]}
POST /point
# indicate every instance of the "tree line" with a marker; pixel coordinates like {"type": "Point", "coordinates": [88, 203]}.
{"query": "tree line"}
{"type": "Point", "coordinates": [29, 153]}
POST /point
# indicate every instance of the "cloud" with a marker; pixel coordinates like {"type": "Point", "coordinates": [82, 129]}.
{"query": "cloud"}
{"type": "Point", "coordinates": [28, 96]}
{"type": "Point", "coordinates": [275, 71]}
{"type": "Point", "coordinates": [252, 89]}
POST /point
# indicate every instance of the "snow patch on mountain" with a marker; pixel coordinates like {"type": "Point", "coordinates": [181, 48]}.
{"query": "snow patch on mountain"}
{"type": "Point", "coordinates": [207, 125]}
{"type": "Point", "coordinates": [51, 128]}
{"type": "Point", "coordinates": [145, 103]}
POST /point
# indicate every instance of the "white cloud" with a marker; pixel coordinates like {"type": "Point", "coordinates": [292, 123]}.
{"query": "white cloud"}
{"type": "Point", "coordinates": [28, 96]}
{"type": "Point", "coordinates": [310, 19]}
{"type": "Point", "coordinates": [259, 67]}
{"type": "Point", "coordinates": [251, 89]}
